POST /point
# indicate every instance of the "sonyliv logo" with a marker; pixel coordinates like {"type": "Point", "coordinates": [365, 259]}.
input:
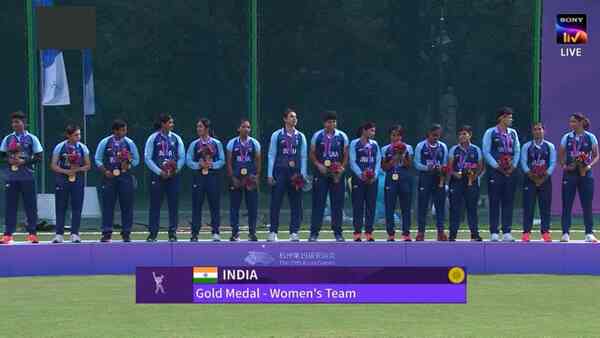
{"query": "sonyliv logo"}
{"type": "Point", "coordinates": [571, 29]}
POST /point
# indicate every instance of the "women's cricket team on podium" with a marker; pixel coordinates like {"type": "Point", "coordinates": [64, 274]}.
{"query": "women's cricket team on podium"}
{"type": "Point", "coordinates": [453, 173]}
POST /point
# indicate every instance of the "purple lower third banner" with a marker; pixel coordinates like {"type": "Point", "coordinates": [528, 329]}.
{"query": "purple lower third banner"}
{"type": "Point", "coordinates": [330, 293]}
{"type": "Point", "coordinates": [301, 285]}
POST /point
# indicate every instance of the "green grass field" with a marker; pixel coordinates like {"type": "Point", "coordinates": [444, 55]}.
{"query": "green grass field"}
{"type": "Point", "coordinates": [498, 306]}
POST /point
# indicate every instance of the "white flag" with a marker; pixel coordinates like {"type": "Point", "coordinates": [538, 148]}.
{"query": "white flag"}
{"type": "Point", "coordinates": [55, 87]}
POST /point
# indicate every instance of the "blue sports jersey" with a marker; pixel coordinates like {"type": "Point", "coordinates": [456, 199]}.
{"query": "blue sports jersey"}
{"type": "Point", "coordinates": [63, 153]}
{"type": "Point", "coordinates": [542, 154]}
{"type": "Point", "coordinates": [463, 156]}
{"type": "Point", "coordinates": [202, 147]}
{"type": "Point", "coordinates": [430, 155]}
{"type": "Point", "coordinates": [497, 143]}
{"type": "Point", "coordinates": [243, 154]}
{"type": "Point", "coordinates": [329, 146]}
{"type": "Point", "coordinates": [364, 156]}
{"type": "Point", "coordinates": [575, 144]}
{"type": "Point", "coordinates": [399, 168]}
{"type": "Point", "coordinates": [286, 149]}
{"type": "Point", "coordinates": [163, 147]}
{"type": "Point", "coordinates": [28, 146]}
{"type": "Point", "coordinates": [107, 152]}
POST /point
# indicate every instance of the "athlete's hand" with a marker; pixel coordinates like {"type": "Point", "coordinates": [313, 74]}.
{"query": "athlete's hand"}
{"type": "Point", "coordinates": [322, 169]}
{"type": "Point", "coordinates": [271, 180]}
{"type": "Point", "coordinates": [108, 173]}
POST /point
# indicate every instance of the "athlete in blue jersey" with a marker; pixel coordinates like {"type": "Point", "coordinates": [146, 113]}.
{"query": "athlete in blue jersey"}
{"type": "Point", "coordinates": [466, 164]}
{"type": "Point", "coordinates": [538, 160]}
{"type": "Point", "coordinates": [22, 150]}
{"type": "Point", "coordinates": [578, 153]}
{"type": "Point", "coordinates": [431, 156]}
{"type": "Point", "coordinates": [70, 160]}
{"type": "Point", "coordinates": [365, 164]}
{"type": "Point", "coordinates": [164, 155]}
{"type": "Point", "coordinates": [205, 157]}
{"type": "Point", "coordinates": [502, 152]}
{"type": "Point", "coordinates": [115, 156]}
{"type": "Point", "coordinates": [286, 172]}
{"type": "Point", "coordinates": [329, 155]}
{"type": "Point", "coordinates": [243, 167]}
{"type": "Point", "coordinates": [396, 162]}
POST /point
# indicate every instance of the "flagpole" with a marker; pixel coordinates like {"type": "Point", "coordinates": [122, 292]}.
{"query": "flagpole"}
{"type": "Point", "coordinates": [42, 130]}
{"type": "Point", "coordinates": [32, 80]}
{"type": "Point", "coordinates": [253, 65]}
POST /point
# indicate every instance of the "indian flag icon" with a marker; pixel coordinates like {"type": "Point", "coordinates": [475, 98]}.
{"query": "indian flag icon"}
{"type": "Point", "coordinates": [205, 275]}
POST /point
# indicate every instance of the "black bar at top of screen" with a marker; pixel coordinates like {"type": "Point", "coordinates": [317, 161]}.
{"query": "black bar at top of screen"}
{"type": "Point", "coordinates": [66, 27]}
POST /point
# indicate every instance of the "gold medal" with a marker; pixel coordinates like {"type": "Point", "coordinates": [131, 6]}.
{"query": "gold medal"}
{"type": "Point", "coordinates": [204, 171]}
{"type": "Point", "coordinates": [395, 177]}
{"type": "Point", "coordinates": [14, 167]}
{"type": "Point", "coordinates": [116, 172]}
{"type": "Point", "coordinates": [456, 275]}
{"type": "Point", "coordinates": [292, 164]}
{"type": "Point", "coordinates": [327, 163]}
{"type": "Point", "coordinates": [72, 178]}
{"type": "Point", "coordinates": [244, 172]}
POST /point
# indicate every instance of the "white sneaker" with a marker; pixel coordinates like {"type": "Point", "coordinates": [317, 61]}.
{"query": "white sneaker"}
{"type": "Point", "coordinates": [565, 237]}
{"type": "Point", "coordinates": [75, 238]}
{"type": "Point", "coordinates": [294, 237]}
{"type": "Point", "coordinates": [590, 238]}
{"type": "Point", "coordinates": [58, 239]}
{"type": "Point", "coordinates": [272, 237]}
{"type": "Point", "coordinates": [494, 237]}
{"type": "Point", "coordinates": [507, 238]}
{"type": "Point", "coordinates": [216, 238]}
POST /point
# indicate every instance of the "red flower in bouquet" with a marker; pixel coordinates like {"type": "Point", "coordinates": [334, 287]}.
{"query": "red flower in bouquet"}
{"type": "Point", "coordinates": [73, 157]}
{"type": "Point", "coordinates": [335, 168]}
{"type": "Point", "coordinates": [582, 159]}
{"type": "Point", "coordinates": [399, 148]}
{"type": "Point", "coordinates": [297, 181]}
{"type": "Point", "coordinates": [539, 170]}
{"type": "Point", "coordinates": [471, 172]}
{"type": "Point", "coordinates": [335, 171]}
{"type": "Point", "coordinates": [14, 146]}
{"type": "Point", "coordinates": [368, 174]}
{"type": "Point", "coordinates": [249, 182]}
{"type": "Point", "coordinates": [206, 151]}
{"type": "Point", "coordinates": [14, 150]}
{"type": "Point", "coordinates": [581, 162]}
{"type": "Point", "coordinates": [505, 162]}
{"type": "Point", "coordinates": [124, 155]}
{"type": "Point", "coordinates": [443, 171]}
{"type": "Point", "coordinates": [169, 166]}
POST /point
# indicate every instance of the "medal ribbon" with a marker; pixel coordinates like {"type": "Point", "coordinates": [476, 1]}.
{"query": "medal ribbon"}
{"type": "Point", "coordinates": [165, 145]}
{"type": "Point", "coordinates": [244, 149]}
{"type": "Point", "coordinates": [327, 144]}
{"type": "Point", "coordinates": [507, 141]}
{"type": "Point", "coordinates": [289, 142]}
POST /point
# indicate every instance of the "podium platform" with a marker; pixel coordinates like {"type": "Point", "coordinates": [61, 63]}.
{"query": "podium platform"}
{"type": "Point", "coordinates": [90, 258]}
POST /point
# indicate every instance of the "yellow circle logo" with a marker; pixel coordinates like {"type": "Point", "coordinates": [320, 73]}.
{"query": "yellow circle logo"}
{"type": "Point", "coordinates": [456, 275]}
